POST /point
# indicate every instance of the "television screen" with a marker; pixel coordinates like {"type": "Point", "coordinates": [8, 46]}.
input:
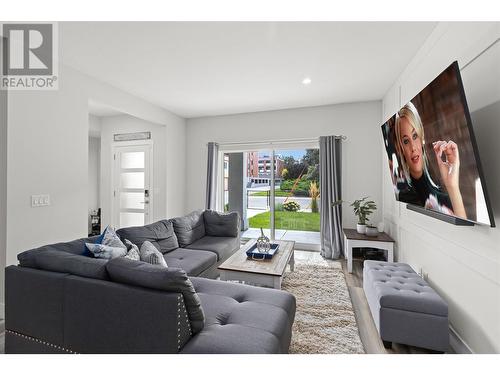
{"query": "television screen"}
{"type": "Point", "coordinates": [432, 152]}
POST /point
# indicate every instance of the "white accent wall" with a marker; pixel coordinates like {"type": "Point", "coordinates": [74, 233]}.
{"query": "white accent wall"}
{"type": "Point", "coordinates": [462, 263]}
{"type": "Point", "coordinates": [48, 154]}
{"type": "Point", "coordinates": [360, 122]}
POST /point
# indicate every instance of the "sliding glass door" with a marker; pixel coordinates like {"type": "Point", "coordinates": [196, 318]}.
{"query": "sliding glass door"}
{"type": "Point", "coordinates": [296, 196]}
{"type": "Point", "coordinates": [276, 190]}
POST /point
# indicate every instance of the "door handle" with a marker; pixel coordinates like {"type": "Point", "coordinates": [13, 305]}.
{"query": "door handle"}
{"type": "Point", "coordinates": [145, 202]}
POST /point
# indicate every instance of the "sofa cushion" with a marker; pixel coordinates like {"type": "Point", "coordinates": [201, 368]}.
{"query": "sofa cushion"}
{"type": "Point", "coordinates": [51, 259]}
{"type": "Point", "coordinates": [189, 228]}
{"type": "Point", "coordinates": [76, 247]}
{"type": "Point", "coordinates": [221, 224]}
{"type": "Point", "coordinates": [224, 247]}
{"type": "Point", "coordinates": [142, 274]}
{"type": "Point", "coordinates": [152, 255]}
{"type": "Point", "coordinates": [161, 234]}
{"type": "Point", "coordinates": [242, 319]}
{"type": "Point", "coordinates": [193, 262]}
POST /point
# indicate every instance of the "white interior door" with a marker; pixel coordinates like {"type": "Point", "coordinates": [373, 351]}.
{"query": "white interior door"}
{"type": "Point", "coordinates": [132, 185]}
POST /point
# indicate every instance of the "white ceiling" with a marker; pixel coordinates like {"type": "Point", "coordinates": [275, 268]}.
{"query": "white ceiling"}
{"type": "Point", "coordinates": [213, 68]}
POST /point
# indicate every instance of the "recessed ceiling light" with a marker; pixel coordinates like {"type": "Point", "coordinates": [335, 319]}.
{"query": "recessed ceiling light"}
{"type": "Point", "coordinates": [306, 81]}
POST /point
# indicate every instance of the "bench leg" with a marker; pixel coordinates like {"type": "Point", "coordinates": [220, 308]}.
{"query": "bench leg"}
{"type": "Point", "coordinates": [387, 344]}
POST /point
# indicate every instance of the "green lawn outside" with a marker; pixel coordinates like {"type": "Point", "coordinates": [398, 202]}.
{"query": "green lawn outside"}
{"type": "Point", "coordinates": [306, 221]}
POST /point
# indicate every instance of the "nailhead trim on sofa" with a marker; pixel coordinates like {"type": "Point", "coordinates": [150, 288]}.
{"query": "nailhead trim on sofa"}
{"type": "Point", "coordinates": [40, 341]}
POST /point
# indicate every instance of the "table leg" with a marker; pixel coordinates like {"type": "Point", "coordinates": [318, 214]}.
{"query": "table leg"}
{"type": "Point", "coordinates": [292, 262]}
{"type": "Point", "coordinates": [349, 256]}
{"type": "Point", "coordinates": [277, 282]}
{"type": "Point", "coordinates": [390, 253]}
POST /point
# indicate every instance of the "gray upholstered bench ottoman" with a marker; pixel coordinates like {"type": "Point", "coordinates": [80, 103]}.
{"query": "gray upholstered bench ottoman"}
{"type": "Point", "coordinates": [405, 308]}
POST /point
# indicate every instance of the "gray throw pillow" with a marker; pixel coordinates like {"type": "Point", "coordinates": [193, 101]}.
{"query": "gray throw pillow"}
{"type": "Point", "coordinates": [189, 228]}
{"type": "Point", "coordinates": [133, 251]}
{"type": "Point", "coordinates": [219, 224]}
{"type": "Point", "coordinates": [161, 234]}
{"type": "Point", "coordinates": [105, 251]}
{"type": "Point", "coordinates": [150, 254]}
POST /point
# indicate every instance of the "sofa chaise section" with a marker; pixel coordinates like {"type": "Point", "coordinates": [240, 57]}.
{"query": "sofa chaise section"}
{"type": "Point", "coordinates": [242, 319]}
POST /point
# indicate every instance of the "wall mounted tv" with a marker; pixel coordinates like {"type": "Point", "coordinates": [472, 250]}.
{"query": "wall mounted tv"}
{"type": "Point", "coordinates": [433, 156]}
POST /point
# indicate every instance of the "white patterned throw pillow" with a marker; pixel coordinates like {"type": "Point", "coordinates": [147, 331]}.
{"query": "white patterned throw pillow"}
{"type": "Point", "coordinates": [150, 254]}
{"type": "Point", "coordinates": [105, 251]}
{"type": "Point", "coordinates": [133, 251]}
{"type": "Point", "coordinates": [110, 238]}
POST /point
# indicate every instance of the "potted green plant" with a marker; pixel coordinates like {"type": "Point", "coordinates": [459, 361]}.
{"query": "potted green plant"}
{"type": "Point", "coordinates": [314, 194]}
{"type": "Point", "coordinates": [362, 209]}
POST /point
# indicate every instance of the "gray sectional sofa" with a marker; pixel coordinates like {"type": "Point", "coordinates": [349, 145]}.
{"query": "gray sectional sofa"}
{"type": "Point", "coordinates": [59, 300]}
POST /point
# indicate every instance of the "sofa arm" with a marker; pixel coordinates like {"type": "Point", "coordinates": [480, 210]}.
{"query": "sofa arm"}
{"type": "Point", "coordinates": [107, 317]}
{"type": "Point", "coordinates": [222, 224]}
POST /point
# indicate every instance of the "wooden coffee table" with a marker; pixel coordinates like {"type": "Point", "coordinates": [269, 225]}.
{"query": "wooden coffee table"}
{"type": "Point", "coordinates": [268, 273]}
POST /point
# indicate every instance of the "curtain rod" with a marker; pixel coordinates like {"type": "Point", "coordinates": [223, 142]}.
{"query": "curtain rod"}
{"type": "Point", "coordinates": [277, 141]}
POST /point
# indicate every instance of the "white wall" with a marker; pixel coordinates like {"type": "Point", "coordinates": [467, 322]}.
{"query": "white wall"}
{"type": "Point", "coordinates": [48, 153]}
{"type": "Point", "coordinates": [94, 175]}
{"type": "Point", "coordinates": [462, 263]}
{"type": "Point", "coordinates": [176, 167]}
{"type": "Point", "coordinates": [127, 124]}
{"type": "Point", "coordinates": [3, 193]}
{"type": "Point", "coordinates": [360, 122]}
{"type": "Point", "coordinates": [94, 126]}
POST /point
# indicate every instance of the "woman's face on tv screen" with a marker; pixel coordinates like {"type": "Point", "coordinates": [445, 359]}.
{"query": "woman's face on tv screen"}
{"type": "Point", "coordinates": [411, 144]}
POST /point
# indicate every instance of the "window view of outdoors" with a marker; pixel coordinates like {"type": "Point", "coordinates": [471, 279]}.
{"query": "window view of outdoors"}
{"type": "Point", "coordinates": [247, 184]}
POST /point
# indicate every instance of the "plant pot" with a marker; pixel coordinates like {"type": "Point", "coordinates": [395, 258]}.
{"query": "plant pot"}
{"type": "Point", "coordinates": [361, 228]}
{"type": "Point", "coordinates": [371, 231]}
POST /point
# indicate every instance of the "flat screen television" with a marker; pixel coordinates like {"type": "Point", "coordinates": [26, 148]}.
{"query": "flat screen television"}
{"type": "Point", "coordinates": [432, 153]}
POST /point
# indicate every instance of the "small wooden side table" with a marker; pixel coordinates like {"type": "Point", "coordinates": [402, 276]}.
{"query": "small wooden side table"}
{"type": "Point", "coordinates": [353, 239]}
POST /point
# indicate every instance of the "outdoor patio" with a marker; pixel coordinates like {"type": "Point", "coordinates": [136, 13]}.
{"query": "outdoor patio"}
{"type": "Point", "coordinates": [302, 237]}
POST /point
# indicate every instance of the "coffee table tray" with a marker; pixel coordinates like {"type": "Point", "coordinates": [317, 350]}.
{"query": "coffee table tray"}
{"type": "Point", "coordinates": [255, 254]}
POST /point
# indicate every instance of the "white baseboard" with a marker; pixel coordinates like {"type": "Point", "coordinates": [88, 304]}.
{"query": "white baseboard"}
{"type": "Point", "coordinates": [458, 344]}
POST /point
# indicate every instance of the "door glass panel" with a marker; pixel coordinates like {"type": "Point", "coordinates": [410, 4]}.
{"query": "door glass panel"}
{"type": "Point", "coordinates": [132, 159]}
{"type": "Point", "coordinates": [132, 180]}
{"type": "Point", "coordinates": [132, 200]}
{"type": "Point", "coordinates": [297, 195]}
{"type": "Point", "coordinates": [131, 219]}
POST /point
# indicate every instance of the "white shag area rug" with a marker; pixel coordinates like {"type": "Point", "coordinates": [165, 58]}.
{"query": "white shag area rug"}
{"type": "Point", "coordinates": [324, 320]}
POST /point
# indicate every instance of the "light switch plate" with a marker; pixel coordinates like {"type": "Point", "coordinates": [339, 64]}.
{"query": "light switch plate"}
{"type": "Point", "coordinates": [40, 200]}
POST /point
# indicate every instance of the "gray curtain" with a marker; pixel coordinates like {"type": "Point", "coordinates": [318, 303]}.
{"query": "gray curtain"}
{"type": "Point", "coordinates": [212, 159]}
{"type": "Point", "coordinates": [330, 177]}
